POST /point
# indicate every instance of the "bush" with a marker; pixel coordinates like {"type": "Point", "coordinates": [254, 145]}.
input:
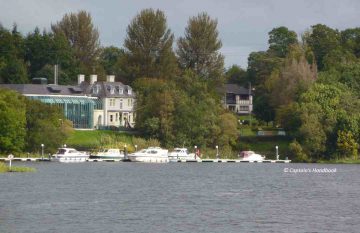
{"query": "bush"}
{"type": "Point", "coordinates": [143, 143]}
{"type": "Point", "coordinates": [297, 151]}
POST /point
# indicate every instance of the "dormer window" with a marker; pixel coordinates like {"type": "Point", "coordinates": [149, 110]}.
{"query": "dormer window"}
{"type": "Point", "coordinates": [95, 89]}
{"type": "Point", "coordinates": [121, 91]}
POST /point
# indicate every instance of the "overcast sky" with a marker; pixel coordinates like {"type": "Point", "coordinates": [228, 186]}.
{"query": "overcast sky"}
{"type": "Point", "coordinates": [243, 24]}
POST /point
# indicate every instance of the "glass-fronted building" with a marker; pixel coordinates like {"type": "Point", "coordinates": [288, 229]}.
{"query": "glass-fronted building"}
{"type": "Point", "coordinates": [78, 109]}
{"type": "Point", "coordinates": [77, 106]}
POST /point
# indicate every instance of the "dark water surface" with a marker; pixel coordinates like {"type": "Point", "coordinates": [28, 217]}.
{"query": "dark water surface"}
{"type": "Point", "coordinates": [178, 197]}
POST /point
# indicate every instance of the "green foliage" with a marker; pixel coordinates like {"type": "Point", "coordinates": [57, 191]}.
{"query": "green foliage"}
{"type": "Point", "coordinates": [280, 39]}
{"type": "Point", "coordinates": [235, 74]}
{"type": "Point", "coordinates": [229, 132]}
{"type": "Point", "coordinates": [47, 49]}
{"type": "Point", "coordinates": [198, 50]}
{"type": "Point", "coordinates": [293, 78]}
{"type": "Point", "coordinates": [296, 149]}
{"type": "Point", "coordinates": [96, 139]}
{"type": "Point", "coordinates": [182, 111]}
{"type": "Point", "coordinates": [109, 59]}
{"type": "Point", "coordinates": [322, 40]}
{"type": "Point", "coordinates": [12, 121]}
{"type": "Point", "coordinates": [324, 110]}
{"type": "Point", "coordinates": [79, 30]}
{"type": "Point", "coordinates": [45, 125]}
{"type": "Point", "coordinates": [350, 40]}
{"type": "Point", "coordinates": [143, 143]}
{"type": "Point", "coordinates": [347, 145]}
{"type": "Point", "coordinates": [5, 168]}
{"type": "Point", "coordinates": [148, 47]}
{"type": "Point", "coordinates": [12, 66]}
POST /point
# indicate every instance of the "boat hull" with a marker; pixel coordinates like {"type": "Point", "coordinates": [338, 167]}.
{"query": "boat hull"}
{"type": "Point", "coordinates": [148, 159]}
{"type": "Point", "coordinates": [70, 159]}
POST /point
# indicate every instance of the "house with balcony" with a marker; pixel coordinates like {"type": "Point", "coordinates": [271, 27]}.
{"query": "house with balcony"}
{"type": "Point", "coordinates": [237, 99]}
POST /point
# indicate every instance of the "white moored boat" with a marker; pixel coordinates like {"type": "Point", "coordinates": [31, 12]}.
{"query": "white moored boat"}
{"type": "Point", "coordinates": [150, 155]}
{"type": "Point", "coordinates": [251, 156]}
{"type": "Point", "coordinates": [69, 155]}
{"type": "Point", "coordinates": [181, 154]}
{"type": "Point", "coordinates": [108, 154]}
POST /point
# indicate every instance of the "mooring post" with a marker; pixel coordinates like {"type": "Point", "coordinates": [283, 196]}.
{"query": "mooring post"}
{"type": "Point", "coordinates": [10, 157]}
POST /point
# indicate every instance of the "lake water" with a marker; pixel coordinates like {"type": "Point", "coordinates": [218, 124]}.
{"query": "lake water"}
{"type": "Point", "coordinates": [179, 197]}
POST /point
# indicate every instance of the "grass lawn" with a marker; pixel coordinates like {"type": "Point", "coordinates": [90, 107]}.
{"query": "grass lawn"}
{"type": "Point", "coordinates": [266, 146]}
{"type": "Point", "coordinates": [5, 168]}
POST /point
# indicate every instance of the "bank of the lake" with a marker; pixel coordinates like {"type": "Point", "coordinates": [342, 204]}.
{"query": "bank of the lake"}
{"type": "Point", "coordinates": [5, 168]}
{"type": "Point", "coordinates": [340, 161]}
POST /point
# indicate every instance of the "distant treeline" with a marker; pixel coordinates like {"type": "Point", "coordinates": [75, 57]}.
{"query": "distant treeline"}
{"type": "Point", "coordinates": [309, 87]}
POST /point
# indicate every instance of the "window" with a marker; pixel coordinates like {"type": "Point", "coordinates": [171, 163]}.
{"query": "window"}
{"type": "Point", "coordinates": [111, 102]}
{"type": "Point", "coordinates": [129, 102]}
{"type": "Point", "coordinates": [116, 117]}
{"type": "Point", "coordinates": [95, 89]}
{"type": "Point", "coordinates": [111, 118]}
{"type": "Point", "coordinates": [121, 90]}
{"type": "Point", "coordinates": [244, 108]}
{"type": "Point", "coordinates": [129, 91]}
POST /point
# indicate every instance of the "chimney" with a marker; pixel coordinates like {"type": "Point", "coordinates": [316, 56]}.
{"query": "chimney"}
{"type": "Point", "coordinates": [81, 78]}
{"type": "Point", "coordinates": [93, 78]}
{"type": "Point", "coordinates": [56, 74]}
{"type": "Point", "coordinates": [110, 78]}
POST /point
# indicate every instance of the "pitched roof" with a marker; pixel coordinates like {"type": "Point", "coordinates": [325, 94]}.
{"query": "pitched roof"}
{"type": "Point", "coordinates": [109, 89]}
{"type": "Point", "coordinates": [236, 89]}
{"type": "Point", "coordinates": [40, 89]}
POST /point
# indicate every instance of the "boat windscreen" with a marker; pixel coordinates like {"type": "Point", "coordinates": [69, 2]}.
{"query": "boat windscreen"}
{"type": "Point", "coordinates": [61, 151]}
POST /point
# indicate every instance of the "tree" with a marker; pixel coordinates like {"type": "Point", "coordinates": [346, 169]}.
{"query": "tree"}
{"type": "Point", "coordinates": [14, 71]}
{"type": "Point", "coordinates": [148, 47]}
{"type": "Point", "coordinates": [12, 66]}
{"type": "Point", "coordinates": [293, 78]}
{"type": "Point", "coordinates": [43, 50]}
{"type": "Point", "coordinates": [260, 66]}
{"type": "Point", "coordinates": [322, 40]}
{"type": "Point", "coordinates": [347, 145]}
{"type": "Point", "coordinates": [45, 124]}
{"type": "Point", "coordinates": [109, 58]}
{"type": "Point", "coordinates": [338, 57]}
{"type": "Point", "coordinates": [199, 49]}
{"type": "Point", "coordinates": [235, 74]}
{"type": "Point", "coordinates": [324, 110]}
{"type": "Point", "coordinates": [280, 39]}
{"type": "Point", "coordinates": [12, 121]}
{"type": "Point", "coordinates": [83, 38]}
{"type": "Point", "coordinates": [350, 40]}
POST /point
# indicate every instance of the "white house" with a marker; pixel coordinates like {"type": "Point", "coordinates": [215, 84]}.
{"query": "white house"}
{"type": "Point", "coordinates": [118, 101]}
{"type": "Point", "coordinates": [238, 99]}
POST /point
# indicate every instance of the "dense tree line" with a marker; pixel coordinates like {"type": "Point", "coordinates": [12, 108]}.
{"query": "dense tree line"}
{"type": "Point", "coordinates": [308, 84]}
{"type": "Point", "coordinates": [310, 87]}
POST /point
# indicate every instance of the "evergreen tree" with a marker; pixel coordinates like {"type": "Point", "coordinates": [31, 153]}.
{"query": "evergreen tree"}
{"type": "Point", "coordinates": [199, 49]}
{"type": "Point", "coordinates": [148, 47]}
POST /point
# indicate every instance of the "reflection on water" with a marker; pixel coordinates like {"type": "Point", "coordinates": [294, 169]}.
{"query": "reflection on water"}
{"type": "Point", "coordinates": [177, 197]}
